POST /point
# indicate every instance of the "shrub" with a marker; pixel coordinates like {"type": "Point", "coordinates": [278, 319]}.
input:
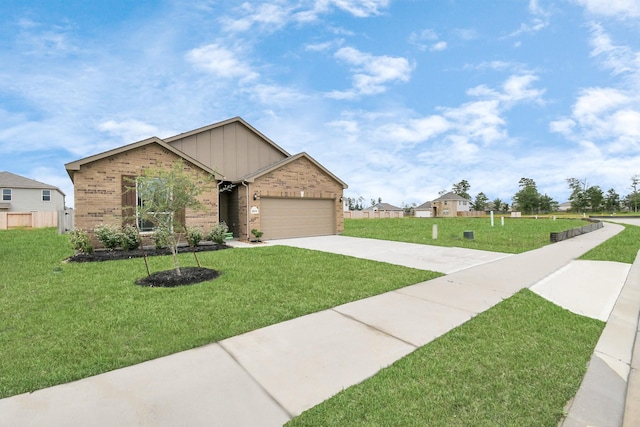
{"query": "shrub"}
{"type": "Point", "coordinates": [108, 235]}
{"type": "Point", "coordinates": [130, 238]}
{"type": "Point", "coordinates": [160, 238]}
{"type": "Point", "coordinates": [80, 241]}
{"type": "Point", "coordinates": [194, 236]}
{"type": "Point", "coordinates": [217, 233]}
{"type": "Point", "coordinates": [257, 234]}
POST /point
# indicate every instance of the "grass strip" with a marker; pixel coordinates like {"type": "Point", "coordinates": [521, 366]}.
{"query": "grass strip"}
{"type": "Point", "coordinates": [623, 247]}
{"type": "Point", "coordinates": [61, 322]}
{"type": "Point", "coordinates": [516, 364]}
{"type": "Point", "coordinates": [516, 236]}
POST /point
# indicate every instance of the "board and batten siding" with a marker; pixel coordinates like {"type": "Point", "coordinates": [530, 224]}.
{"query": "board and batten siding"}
{"type": "Point", "coordinates": [232, 150]}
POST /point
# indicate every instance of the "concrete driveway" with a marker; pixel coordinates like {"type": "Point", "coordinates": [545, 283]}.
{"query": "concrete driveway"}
{"type": "Point", "coordinates": [423, 257]}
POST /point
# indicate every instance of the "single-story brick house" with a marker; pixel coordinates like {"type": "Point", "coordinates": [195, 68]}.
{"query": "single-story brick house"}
{"type": "Point", "coordinates": [257, 184]}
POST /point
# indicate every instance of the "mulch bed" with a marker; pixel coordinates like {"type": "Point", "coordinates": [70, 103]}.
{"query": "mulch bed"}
{"type": "Point", "coordinates": [116, 254]}
{"type": "Point", "coordinates": [171, 279]}
{"type": "Point", "coordinates": [160, 279]}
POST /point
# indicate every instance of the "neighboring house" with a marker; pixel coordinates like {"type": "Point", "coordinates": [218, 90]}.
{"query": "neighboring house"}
{"type": "Point", "coordinates": [424, 210]}
{"type": "Point", "coordinates": [258, 185]}
{"type": "Point", "coordinates": [449, 205]}
{"type": "Point", "coordinates": [383, 207]}
{"type": "Point", "coordinates": [20, 194]}
{"type": "Point", "coordinates": [564, 207]}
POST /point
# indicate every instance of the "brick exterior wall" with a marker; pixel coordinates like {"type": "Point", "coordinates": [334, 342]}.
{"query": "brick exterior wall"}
{"type": "Point", "coordinates": [98, 189]}
{"type": "Point", "coordinates": [289, 181]}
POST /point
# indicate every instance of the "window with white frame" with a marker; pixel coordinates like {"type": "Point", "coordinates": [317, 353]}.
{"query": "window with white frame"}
{"type": "Point", "coordinates": [6, 194]}
{"type": "Point", "coordinates": [46, 195]}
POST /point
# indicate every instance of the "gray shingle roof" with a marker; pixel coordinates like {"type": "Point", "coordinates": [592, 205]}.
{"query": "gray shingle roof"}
{"type": "Point", "coordinates": [383, 207]}
{"type": "Point", "coordinates": [11, 180]}
{"type": "Point", "coordinates": [450, 196]}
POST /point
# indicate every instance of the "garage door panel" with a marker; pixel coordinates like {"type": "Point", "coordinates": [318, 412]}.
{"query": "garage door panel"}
{"type": "Point", "coordinates": [285, 218]}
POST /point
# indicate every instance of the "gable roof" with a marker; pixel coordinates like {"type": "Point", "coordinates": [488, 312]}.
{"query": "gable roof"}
{"type": "Point", "coordinates": [75, 166]}
{"type": "Point", "coordinates": [224, 123]}
{"type": "Point", "coordinates": [424, 206]}
{"type": "Point", "coordinates": [260, 172]}
{"type": "Point", "coordinates": [383, 207]}
{"type": "Point", "coordinates": [450, 196]}
{"type": "Point", "coordinates": [11, 180]}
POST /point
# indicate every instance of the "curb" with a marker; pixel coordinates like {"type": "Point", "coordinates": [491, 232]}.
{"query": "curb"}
{"type": "Point", "coordinates": [610, 391]}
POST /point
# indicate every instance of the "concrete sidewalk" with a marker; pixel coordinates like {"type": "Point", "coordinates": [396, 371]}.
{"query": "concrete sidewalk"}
{"type": "Point", "coordinates": [266, 377]}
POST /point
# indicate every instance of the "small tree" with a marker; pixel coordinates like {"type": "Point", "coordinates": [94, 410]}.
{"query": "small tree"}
{"type": "Point", "coordinates": [462, 189]}
{"type": "Point", "coordinates": [480, 202]}
{"type": "Point", "coordinates": [612, 201]}
{"type": "Point", "coordinates": [579, 199]}
{"type": "Point", "coordinates": [634, 197]}
{"type": "Point", "coordinates": [497, 204]}
{"type": "Point", "coordinates": [164, 194]}
{"type": "Point", "coordinates": [528, 198]}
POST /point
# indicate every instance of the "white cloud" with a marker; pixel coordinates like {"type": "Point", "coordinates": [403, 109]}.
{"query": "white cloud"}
{"type": "Point", "coordinates": [607, 116]}
{"type": "Point", "coordinates": [623, 9]}
{"type": "Point", "coordinates": [463, 129]}
{"type": "Point", "coordinates": [518, 88]}
{"type": "Point", "coordinates": [321, 47]}
{"type": "Point", "coordinates": [359, 8]}
{"type": "Point", "coordinates": [538, 22]}
{"type": "Point", "coordinates": [40, 39]}
{"type": "Point", "coordinates": [466, 33]}
{"type": "Point", "coordinates": [371, 74]}
{"type": "Point", "coordinates": [415, 130]}
{"type": "Point", "coordinates": [220, 61]}
{"type": "Point", "coordinates": [129, 130]}
{"type": "Point", "coordinates": [270, 16]}
{"type": "Point", "coordinates": [276, 14]}
{"type": "Point", "coordinates": [620, 59]}
{"type": "Point", "coordinates": [441, 45]}
{"type": "Point", "coordinates": [427, 39]}
{"type": "Point", "coordinates": [563, 126]}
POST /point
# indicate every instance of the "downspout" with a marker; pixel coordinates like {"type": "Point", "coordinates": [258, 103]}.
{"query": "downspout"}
{"type": "Point", "coordinates": [218, 188]}
{"type": "Point", "coordinates": [247, 191]}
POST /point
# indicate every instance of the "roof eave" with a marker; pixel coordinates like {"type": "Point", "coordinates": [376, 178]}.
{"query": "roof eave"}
{"type": "Point", "coordinates": [74, 166]}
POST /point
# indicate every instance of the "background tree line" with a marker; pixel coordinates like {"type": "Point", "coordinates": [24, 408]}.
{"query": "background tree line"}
{"type": "Point", "coordinates": [530, 201]}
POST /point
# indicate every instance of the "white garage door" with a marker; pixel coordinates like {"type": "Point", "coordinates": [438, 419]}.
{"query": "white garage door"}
{"type": "Point", "coordinates": [285, 218]}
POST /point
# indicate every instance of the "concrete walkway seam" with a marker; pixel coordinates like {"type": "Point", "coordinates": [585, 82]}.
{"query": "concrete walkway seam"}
{"type": "Point", "coordinates": [610, 391]}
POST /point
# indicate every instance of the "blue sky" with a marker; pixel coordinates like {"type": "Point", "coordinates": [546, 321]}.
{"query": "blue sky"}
{"type": "Point", "coordinates": [399, 98]}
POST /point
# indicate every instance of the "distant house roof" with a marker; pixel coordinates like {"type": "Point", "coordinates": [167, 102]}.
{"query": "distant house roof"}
{"type": "Point", "coordinates": [383, 207]}
{"type": "Point", "coordinates": [11, 180]}
{"type": "Point", "coordinates": [426, 206]}
{"type": "Point", "coordinates": [450, 196]}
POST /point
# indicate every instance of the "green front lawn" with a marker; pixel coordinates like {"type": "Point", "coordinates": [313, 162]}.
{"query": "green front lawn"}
{"type": "Point", "coordinates": [623, 247]}
{"type": "Point", "coordinates": [516, 364]}
{"type": "Point", "coordinates": [61, 322]}
{"type": "Point", "coordinates": [516, 236]}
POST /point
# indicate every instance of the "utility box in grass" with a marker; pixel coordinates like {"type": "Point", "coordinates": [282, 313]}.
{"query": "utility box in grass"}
{"type": "Point", "coordinates": [468, 235]}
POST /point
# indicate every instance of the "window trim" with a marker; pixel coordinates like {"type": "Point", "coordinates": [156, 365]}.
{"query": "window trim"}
{"type": "Point", "coordinates": [48, 195]}
{"type": "Point", "coordinates": [4, 195]}
{"type": "Point", "coordinates": [146, 226]}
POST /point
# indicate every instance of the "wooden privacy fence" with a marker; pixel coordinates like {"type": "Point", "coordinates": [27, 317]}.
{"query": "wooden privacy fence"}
{"type": "Point", "coordinates": [373, 214]}
{"type": "Point", "coordinates": [63, 220]}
